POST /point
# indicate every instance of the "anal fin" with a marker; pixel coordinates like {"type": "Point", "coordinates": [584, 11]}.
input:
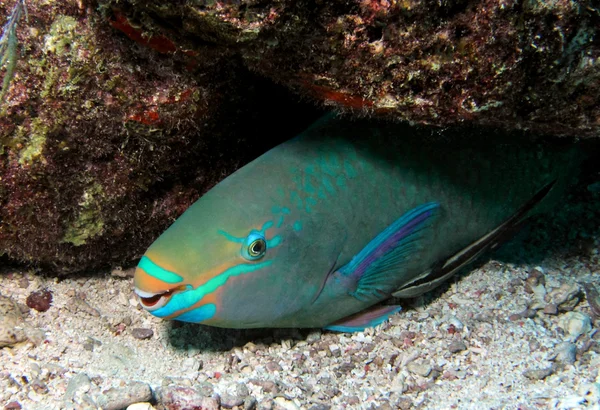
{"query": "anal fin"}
{"type": "Point", "coordinates": [376, 267]}
{"type": "Point", "coordinates": [445, 269]}
{"type": "Point", "coordinates": [362, 320]}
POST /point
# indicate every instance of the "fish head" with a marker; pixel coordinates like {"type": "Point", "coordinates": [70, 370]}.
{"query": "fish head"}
{"type": "Point", "coordinates": [234, 259]}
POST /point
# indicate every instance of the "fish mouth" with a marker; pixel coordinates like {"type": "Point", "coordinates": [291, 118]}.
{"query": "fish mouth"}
{"type": "Point", "coordinates": [153, 301]}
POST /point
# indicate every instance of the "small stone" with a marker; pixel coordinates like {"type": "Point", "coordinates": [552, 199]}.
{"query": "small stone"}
{"type": "Point", "coordinates": [13, 405]}
{"type": "Point", "coordinates": [91, 343]}
{"type": "Point", "coordinates": [514, 317]}
{"type": "Point", "coordinates": [419, 368]}
{"type": "Point", "coordinates": [78, 383]}
{"type": "Point", "coordinates": [551, 309]}
{"type": "Point", "coordinates": [268, 386]}
{"type": "Point", "coordinates": [273, 367]}
{"type": "Point", "coordinates": [320, 406]}
{"type": "Point", "coordinates": [140, 406]}
{"type": "Point", "coordinates": [183, 397]}
{"type": "Point", "coordinates": [250, 403]}
{"type": "Point", "coordinates": [23, 283]}
{"type": "Point", "coordinates": [11, 331]}
{"type": "Point", "coordinates": [536, 277]}
{"type": "Point", "coordinates": [119, 272]}
{"type": "Point", "coordinates": [593, 298]}
{"type": "Point", "coordinates": [40, 300]}
{"type": "Point", "coordinates": [566, 297]}
{"type": "Point", "coordinates": [39, 387]}
{"type": "Point", "coordinates": [230, 401]}
{"type": "Point", "coordinates": [457, 346]}
{"type": "Point", "coordinates": [566, 353]}
{"type": "Point", "coordinates": [119, 398]}
{"type": "Point", "coordinates": [538, 374]}
{"type": "Point", "coordinates": [404, 403]}
{"type": "Point", "coordinates": [142, 333]}
{"type": "Point", "coordinates": [528, 313]}
{"type": "Point", "coordinates": [313, 337]}
{"type": "Point", "coordinates": [575, 323]}
{"type": "Point", "coordinates": [80, 305]}
{"type": "Point", "coordinates": [205, 388]}
{"type": "Point", "coordinates": [453, 321]}
{"type": "Point", "coordinates": [287, 404]}
{"type": "Point", "coordinates": [335, 350]}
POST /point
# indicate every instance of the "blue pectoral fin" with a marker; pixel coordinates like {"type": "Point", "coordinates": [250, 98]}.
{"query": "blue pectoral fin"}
{"type": "Point", "coordinates": [377, 265]}
{"type": "Point", "coordinates": [362, 320]}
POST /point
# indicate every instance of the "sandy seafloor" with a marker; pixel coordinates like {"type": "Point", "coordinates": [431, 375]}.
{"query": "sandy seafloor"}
{"type": "Point", "coordinates": [515, 332]}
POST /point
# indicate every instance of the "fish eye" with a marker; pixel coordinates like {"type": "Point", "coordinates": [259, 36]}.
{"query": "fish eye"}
{"type": "Point", "coordinates": [255, 246]}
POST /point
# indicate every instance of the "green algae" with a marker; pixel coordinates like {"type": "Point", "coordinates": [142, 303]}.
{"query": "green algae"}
{"type": "Point", "coordinates": [89, 222]}
{"type": "Point", "coordinates": [62, 36]}
{"type": "Point", "coordinates": [36, 140]}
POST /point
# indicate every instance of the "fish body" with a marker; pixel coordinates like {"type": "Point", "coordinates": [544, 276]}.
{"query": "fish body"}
{"type": "Point", "coordinates": [322, 227]}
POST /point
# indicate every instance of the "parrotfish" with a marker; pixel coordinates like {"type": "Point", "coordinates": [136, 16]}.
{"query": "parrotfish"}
{"type": "Point", "coordinates": [322, 228]}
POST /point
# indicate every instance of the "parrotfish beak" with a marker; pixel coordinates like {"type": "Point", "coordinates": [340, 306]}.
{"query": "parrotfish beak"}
{"type": "Point", "coordinates": [155, 285]}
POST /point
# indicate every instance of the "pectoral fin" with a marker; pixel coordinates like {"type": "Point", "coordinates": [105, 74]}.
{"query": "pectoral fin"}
{"type": "Point", "coordinates": [375, 267]}
{"type": "Point", "coordinates": [362, 320]}
{"type": "Point", "coordinates": [434, 277]}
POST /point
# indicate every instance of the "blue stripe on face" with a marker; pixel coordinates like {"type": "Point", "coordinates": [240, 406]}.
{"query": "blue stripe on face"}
{"type": "Point", "coordinates": [159, 273]}
{"type": "Point", "coordinates": [188, 298]}
{"type": "Point", "coordinates": [198, 315]}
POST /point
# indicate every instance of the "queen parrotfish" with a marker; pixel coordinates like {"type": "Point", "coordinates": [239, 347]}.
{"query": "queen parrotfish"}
{"type": "Point", "coordinates": [320, 229]}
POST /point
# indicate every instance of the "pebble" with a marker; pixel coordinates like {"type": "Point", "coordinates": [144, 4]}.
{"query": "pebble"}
{"type": "Point", "coordinates": [320, 406]}
{"type": "Point", "coordinates": [142, 333]}
{"type": "Point", "coordinates": [119, 272]}
{"type": "Point", "coordinates": [250, 403]}
{"type": "Point", "coordinates": [551, 309]}
{"type": "Point", "coordinates": [454, 321]}
{"type": "Point", "coordinates": [335, 350]}
{"type": "Point", "coordinates": [286, 404]}
{"type": "Point", "coordinates": [181, 397]}
{"type": "Point", "coordinates": [575, 323]}
{"type": "Point", "coordinates": [419, 368]}
{"type": "Point", "coordinates": [91, 343]}
{"type": "Point", "coordinates": [78, 383]}
{"type": "Point", "coordinates": [273, 367]}
{"type": "Point", "coordinates": [593, 298]}
{"type": "Point", "coordinates": [140, 406]}
{"type": "Point", "coordinates": [11, 321]}
{"type": "Point", "coordinates": [566, 297]}
{"type": "Point", "coordinates": [119, 398]}
{"type": "Point", "coordinates": [538, 374]}
{"type": "Point", "coordinates": [457, 346]}
{"type": "Point", "coordinates": [313, 337]}
{"type": "Point", "coordinates": [80, 305]}
{"type": "Point", "coordinates": [23, 283]}
{"type": "Point", "coordinates": [536, 277]}
{"type": "Point", "coordinates": [235, 396]}
{"type": "Point", "coordinates": [13, 405]}
{"type": "Point", "coordinates": [40, 300]}
{"type": "Point", "coordinates": [230, 401]}
{"type": "Point", "coordinates": [268, 386]}
{"type": "Point", "coordinates": [566, 353]}
{"type": "Point", "coordinates": [528, 313]}
{"type": "Point", "coordinates": [39, 387]}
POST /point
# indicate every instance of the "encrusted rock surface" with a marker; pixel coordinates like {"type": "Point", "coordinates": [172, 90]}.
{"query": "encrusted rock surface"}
{"type": "Point", "coordinates": [104, 142]}
{"type": "Point", "coordinates": [513, 64]}
{"type": "Point", "coordinates": [119, 114]}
